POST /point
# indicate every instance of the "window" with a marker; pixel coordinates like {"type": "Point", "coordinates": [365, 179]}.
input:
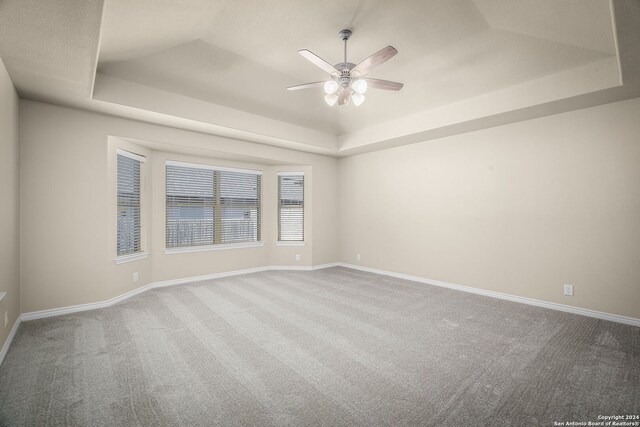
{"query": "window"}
{"type": "Point", "coordinates": [209, 205]}
{"type": "Point", "coordinates": [129, 226]}
{"type": "Point", "coordinates": [291, 206]}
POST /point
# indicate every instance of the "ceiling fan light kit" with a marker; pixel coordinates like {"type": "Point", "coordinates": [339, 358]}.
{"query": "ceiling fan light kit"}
{"type": "Point", "coordinates": [347, 82]}
{"type": "Point", "coordinates": [331, 99]}
{"type": "Point", "coordinates": [359, 86]}
{"type": "Point", "coordinates": [331, 87]}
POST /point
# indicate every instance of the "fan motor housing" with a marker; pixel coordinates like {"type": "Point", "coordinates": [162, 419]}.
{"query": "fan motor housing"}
{"type": "Point", "coordinates": [344, 78]}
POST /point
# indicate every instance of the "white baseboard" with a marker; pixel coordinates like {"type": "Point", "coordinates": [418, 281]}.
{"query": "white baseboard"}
{"type": "Point", "coordinates": [499, 295]}
{"type": "Point", "coordinates": [323, 266]}
{"type": "Point", "coordinates": [304, 267]}
{"type": "Point", "coordinates": [206, 277]}
{"type": "Point", "coordinates": [291, 267]}
{"type": "Point", "coordinates": [7, 343]}
{"type": "Point", "coordinates": [102, 304]}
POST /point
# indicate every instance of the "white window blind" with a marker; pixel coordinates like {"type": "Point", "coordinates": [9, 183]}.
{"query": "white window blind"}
{"type": "Point", "coordinates": [209, 206]}
{"type": "Point", "coordinates": [128, 235]}
{"type": "Point", "coordinates": [191, 199]}
{"type": "Point", "coordinates": [291, 207]}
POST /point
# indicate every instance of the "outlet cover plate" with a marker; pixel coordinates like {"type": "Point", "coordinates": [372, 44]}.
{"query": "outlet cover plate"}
{"type": "Point", "coordinates": [568, 290]}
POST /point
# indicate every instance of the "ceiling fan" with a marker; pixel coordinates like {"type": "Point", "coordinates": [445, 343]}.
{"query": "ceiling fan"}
{"type": "Point", "coordinates": [347, 82]}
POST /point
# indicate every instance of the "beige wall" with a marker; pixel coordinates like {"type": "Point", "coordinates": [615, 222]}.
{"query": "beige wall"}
{"type": "Point", "coordinates": [68, 197]}
{"type": "Point", "coordinates": [10, 205]}
{"type": "Point", "coordinates": [520, 209]}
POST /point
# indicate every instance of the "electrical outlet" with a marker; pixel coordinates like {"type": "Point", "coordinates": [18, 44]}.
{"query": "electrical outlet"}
{"type": "Point", "coordinates": [568, 290]}
{"type": "Point", "coordinates": [358, 257]}
{"type": "Point", "coordinates": [6, 318]}
{"type": "Point", "coordinates": [136, 276]}
{"type": "Point", "coordinates": [297, 257]}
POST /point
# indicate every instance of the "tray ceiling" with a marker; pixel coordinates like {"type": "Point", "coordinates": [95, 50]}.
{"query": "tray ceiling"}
{"type": "Point", "coordinates": [222, 66]}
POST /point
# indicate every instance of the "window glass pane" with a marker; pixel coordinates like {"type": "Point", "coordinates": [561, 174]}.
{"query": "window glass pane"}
{"type": "Point", "coordinates": [291, 207]}
{"type": "Point", "coordinates": [128, 219]}
{"type": "Point", "coordinates": [190, 206]}
{"type": "Point", "coordinates": [208, 207]}
{"type": "Point", "coordinates": [240, 204]}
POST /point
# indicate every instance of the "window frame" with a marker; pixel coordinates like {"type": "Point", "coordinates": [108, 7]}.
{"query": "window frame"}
{"type": "Point", "coordinates": [279, 241]}
{"type": "Point", "coordinates": [140, 253]}
{"type": "Point", "coordinates": [218, 206]}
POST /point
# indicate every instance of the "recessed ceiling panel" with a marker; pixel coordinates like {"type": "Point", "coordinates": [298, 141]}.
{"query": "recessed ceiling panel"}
{"type": "Point", "coordinates": [206, 72]}
{"type": "Point", "coordinates": [222, 66]}
{"type": "Point", "coordinates": [243, 54]}
{"type": "Point", "coordinates": [490, 60]}
{"type": "Point", "coordinates": [270, 32]}
{"type": "Point", "coordinates": [137, 28]}
{"type": "Point", "coordinates": [583, 23]}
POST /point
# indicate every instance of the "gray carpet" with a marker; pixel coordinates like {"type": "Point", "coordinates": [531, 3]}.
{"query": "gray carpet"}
{"type": "Point", "coordinates": [330, 347]}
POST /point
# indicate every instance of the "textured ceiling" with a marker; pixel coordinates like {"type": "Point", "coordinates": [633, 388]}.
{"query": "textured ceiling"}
{"type": "Point", "coordinates": [243, 54]}
{"type": "Point", "coordinates": [580, 23]}
{"type": "Point", "coordinates": [222, 66]}
{"type": "Point", "coordinates": [50, 47]}
{"type": "Point", "coordinates": [201, 70]}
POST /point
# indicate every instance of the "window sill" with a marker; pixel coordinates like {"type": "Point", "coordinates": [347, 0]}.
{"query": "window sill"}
{"type": "Point", "coordinates": [132, 257]}
{"type": "Point", "coordinates": [285, 243]}
{"type": "Point", "coordinates": [220, 247]}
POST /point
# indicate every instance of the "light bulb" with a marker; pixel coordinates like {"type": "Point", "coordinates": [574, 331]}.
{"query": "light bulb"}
{"type": "Point", "coordinates": [360, 86]}
{"type": "Point", "coordinates": [358, 98]}
{"type": "Point", "coordinates": [331, 87]}
{"type": "Point", "coordinates": [331, 99]}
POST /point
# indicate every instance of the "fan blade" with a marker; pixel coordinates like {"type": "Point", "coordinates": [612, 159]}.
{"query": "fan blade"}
{"type": "Point", "coordinates": [317, 61]}
{"type": "Point", "coordinates": [374, 60]}
{"type": "Point", "coordinates": [344, 96]}
{"type": "Point", "coordinates": [383, 84]}
{"type": "Point", "coordinates": [306, 86]}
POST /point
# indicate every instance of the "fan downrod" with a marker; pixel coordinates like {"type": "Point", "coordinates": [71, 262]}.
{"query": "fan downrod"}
{"type": "Point", "coordinates": [344, 78]}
